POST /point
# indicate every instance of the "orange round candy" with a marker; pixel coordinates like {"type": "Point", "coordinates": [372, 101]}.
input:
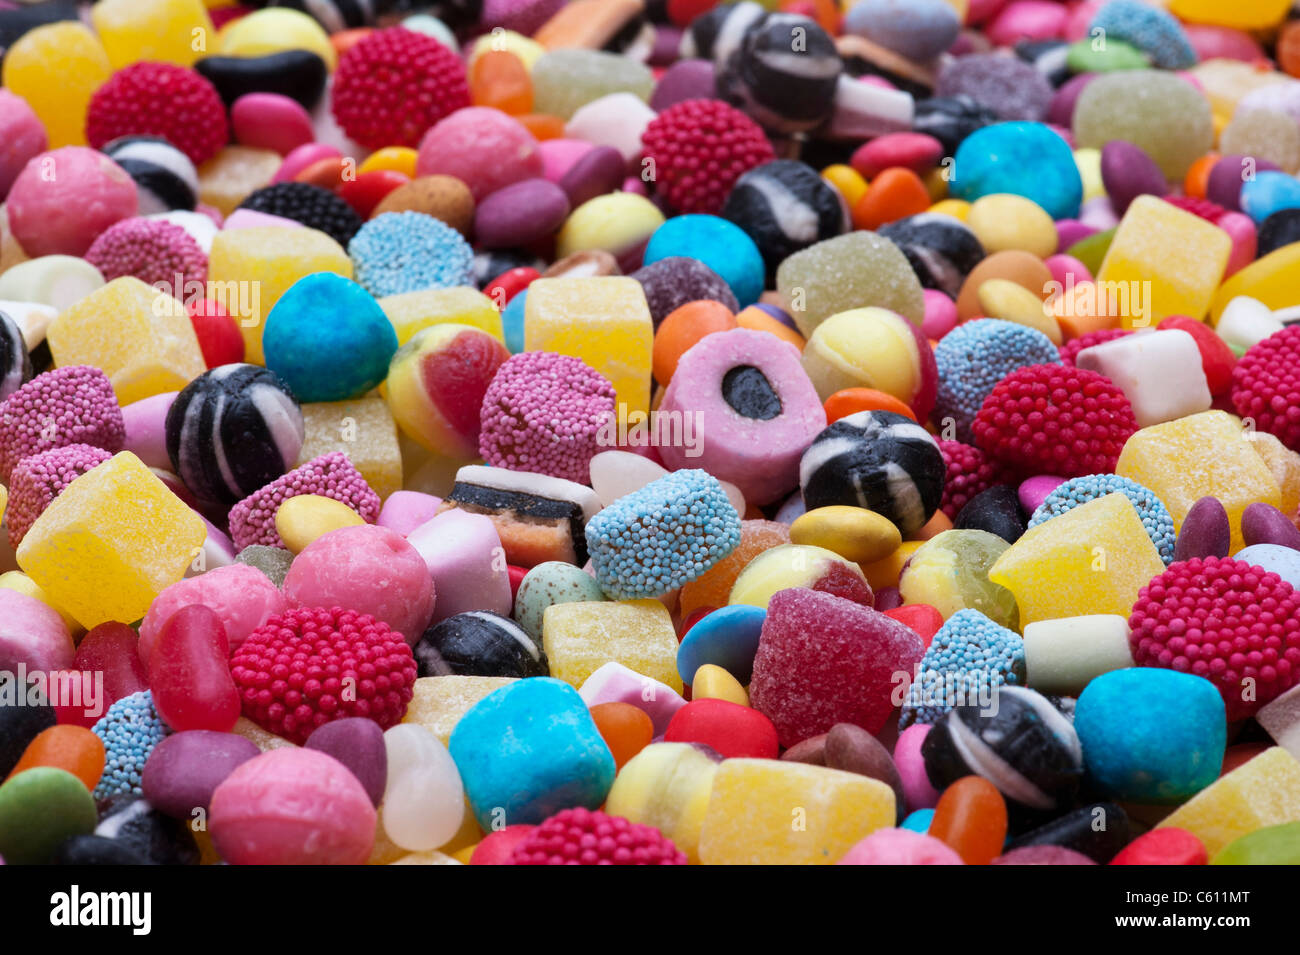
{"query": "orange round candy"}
{"type": "Point", "coordinates": [328, 173]}
{"type": "Point", "coordinates": [894, 194]}
{"type": "Point", "coordinates": [936, 525]}
{"type": "Point", "coordinates": [500, 80]}
{"type": "Point", "coordinates": [971, 818]}
{"type": "Point", "coordinates": [852, 400]}
{"type": "Point", "coordinates": [625, 728]}
{"type": "Point", "coordinates": [681, 329]}
{"type": "Point", "coordinates": [68, 747]}
{"type": "Point", "coordinates": [757, 320]}
{"type": "Point", "coordinates": [1197, 180]}
{"type": "Point", "coordinates": [542, 125]}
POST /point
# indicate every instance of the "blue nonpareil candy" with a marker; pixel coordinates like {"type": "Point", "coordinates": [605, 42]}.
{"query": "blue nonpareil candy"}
{"type": "Point", "coordinates": [400, 252]}
{"type": "Point", "coordinates": [969, 660]}
{"type": "Point", "coordinates": [1150, 29]}
{"type": "Point", "coordinates": [1156, 519]}
{"type": "Point", "coordinates": [130, 730]}
{"type": "Point", "coordinates": [727, 637]}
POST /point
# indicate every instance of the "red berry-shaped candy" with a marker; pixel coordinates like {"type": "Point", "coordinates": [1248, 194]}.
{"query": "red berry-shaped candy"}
{"type": "Point", "coordinates": [590, 837]}
{"type": "Point", "coordinates": [159, 99]}
{"type": "Point", "coordinates": [969, 473]}
{"type": "Point", "coordinates": [1266, 386]}
{"type": "Point", "coordinates": [699, 148]}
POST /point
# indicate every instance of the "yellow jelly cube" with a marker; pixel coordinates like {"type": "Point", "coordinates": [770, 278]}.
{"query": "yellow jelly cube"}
{"type": "Point", "coordinates": [773, 812]}
{"type": "Point", "coordinates": [249, 269]}
{"type": "Point", "coordinates": [162, 31]}
{"type": "Point", "coordinates": [1203, 455]}
{"type": "Point", "coordinates": [604, 320]}
{"type": "Point", "coordinates": [666, 785]}
{"type": "Point", "coordinates": [712, 682]}
{"type": "Point", "coordinates": [579, 638]}
{"type": "Point", "coordinates": [412, 311]}
{"type": "Point", "coordinates": [1093, 559]}
{"type": "Point", "coordinates": [1165, 261]}
{"type": "Point", "coordinates": [1284, 464]}
{"type": "Point", "coordinates": [1271, 280]}
{"type": "Point", "coordinates": [438, 702]}
{"type": "Point", "coordinates": [140, 337]}
{"type": "Point", "coordinates": [111, 542]}
{"type": "Point", "coordinates": [1264, 791]}
{"type": "Point", "coordinates": [231, 175]}
{"type": "Point", "coordinates": [364, 430]}
{"type": "Point", "coordinates": [57, 68]}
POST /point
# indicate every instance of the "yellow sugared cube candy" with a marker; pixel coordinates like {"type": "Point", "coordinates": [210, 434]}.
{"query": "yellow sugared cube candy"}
{"type": "Point", "coordinates": [162, 31]}
{"type": "Point", "coordinates": [231, 175]}
{"type": "Point", "coordinates": [111, 542]}
{"type": "Point", "coordinates": [412, 311]}
{"type": "Point", "coordinates": [1264, 791]}
{"type": "Point", "coordinates": [438, 702]}
{"type": "Point", "coordinates": [57, 68]}
{"type": "Point", "coordinates": [580, 638]}
{"type": "Point", "coordinates": [364, 430]}
{"type": "Point", "coordinates": [1203, 455]}
{"type": "Point", "coordinates": [1092, 559]}
{"type": "Point", "coordinates": [1284, 465]}
{"type": "Point", "coordinates": [249, 269]}
{"type": "Point", "coordinates": [604, 320]}
{"type": "Point", "coordinates": [141, 338]}
{"type": "Point", "coordinates": [773, 812]}
{"type": "Point", "coordinates": [1165, 261]}
{"type": "Point", "coordinates": [1271, 280]}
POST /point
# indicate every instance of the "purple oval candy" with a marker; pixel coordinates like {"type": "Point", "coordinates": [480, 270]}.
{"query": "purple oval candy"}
{"type": "Point", "coordinates": [685, 79]}
{"type": "Point", "coordinates": [598, 172]}
{"type": "Point", "coordinates": [1229, 174]}
{"type": "Point", "coordinates": [520, 214]}
{"type": "Point", "coordinates": [1206, 531]}
{"type": "Point", "coordinates": [1061, 110]}
{"type": "Point", "coordinates": [1264, 524]}
{"type": "Point", "coordinates": [1128, 172]}
{"type": "Point", "coordinates": [185, 768]}
{"type": "Point", "coordinates": [358, 744]}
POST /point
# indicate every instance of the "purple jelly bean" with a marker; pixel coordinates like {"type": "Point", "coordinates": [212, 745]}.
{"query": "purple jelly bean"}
{"type": "Point", "coordinates": [1206, 531]}
{"type": "Point", "coordinates": [1265, 524]}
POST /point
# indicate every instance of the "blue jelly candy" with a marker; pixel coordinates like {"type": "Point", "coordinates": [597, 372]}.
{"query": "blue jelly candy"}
{"type": "Point", "coordinates": [400, 252]}
{"type": "Point", "coordinates": [1024, 159]}
{"type": "Point", "coordinates": [721, 245]}
{"type": "Point", "coordinates": [328, 339]}
{"type": "Point", "coordinates": [1156, 519]}
{"type": "Point", "coordinates": [528, 750]}
{"type": "Point", "coordinates": [727, 637]}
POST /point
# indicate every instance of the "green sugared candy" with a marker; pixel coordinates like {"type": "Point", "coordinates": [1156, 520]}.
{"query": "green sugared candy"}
{"type": "Point", "coordinates": [1092, 250]}
{"type": "Point", "coordinates": [272, 561]}
{"type": "Point", "coordinates": [566, 80]}
{"type": "Point", "coordinates": [1156, 110]}
{"type": "Point", "coordinates": [950, 572]}
{"type": "Point", "coordinates": [40, 808]}
{"type": "Point", "coordinates": [1105, 57]}
{"type": "Point", "coordinates": [1272, 845]}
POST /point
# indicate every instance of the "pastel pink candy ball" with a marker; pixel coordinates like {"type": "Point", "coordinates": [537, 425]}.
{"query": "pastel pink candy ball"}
{"type": "Point", "coordinates": [559, 155]}
{"type": "Point", "coordinates": [483, 148]}
{"type": "Point", "coordinates": [900, 847]}
{"type": "Point", "coordinates": [63, 200]}
{"type": "Point", "coordinates": [32, 634]}
{"type": "Point", "coordinates": [270, 121]}
{"type": "Point", "coordinates": [292, 806]}
{"type": "Point", "coordinates": [940, 314]}
{"type": "Point", "coordinates": [1066, 269]}
{"type": "Point", "coordinates": [1027, 20]}
{"type": "Point", "coordinates": [242, 596]}
{"type": "Point", "coordinates": [23, 137]}
{"type": "Point", "coordinates": [917, 791]}
{"type": "Point", "coordinates": [369, 569]}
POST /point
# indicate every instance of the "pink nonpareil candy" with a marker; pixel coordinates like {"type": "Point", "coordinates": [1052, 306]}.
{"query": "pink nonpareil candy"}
{"type": "Point", "coordinates": [900, 847]}
{"type": "Point", "coordinates": [242, 597]}
{"type": "Point", "coordinates": [463, 553]}
{"type": "Point", "coordinates": [404, 511]}
{"type": "Point", "coordinates": [189, 672]}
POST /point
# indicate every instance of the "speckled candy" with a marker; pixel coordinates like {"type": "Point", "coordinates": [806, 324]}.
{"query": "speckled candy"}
{"type": "Point", "coordinates": [550, 583]}
{"type": "Point", "coordinates": [398, 252]}
{"type": "Point", "coordinates": [130, 730]}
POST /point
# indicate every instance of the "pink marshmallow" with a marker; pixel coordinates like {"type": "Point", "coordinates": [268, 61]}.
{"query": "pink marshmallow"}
{"type": "Point", "coordinates": [404, 511]}
{"type": "Point", "coordinates": [900, 847]}
{"type": "Point", "coordinates": [463, 552]}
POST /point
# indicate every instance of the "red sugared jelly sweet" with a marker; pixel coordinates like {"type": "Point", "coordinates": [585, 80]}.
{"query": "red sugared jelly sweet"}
{"type": "Point", "coordinates": [922, 618]}
{"type": "Point", "coordinates": [189, 672]}
{"type": "Point", "coordinates": [731, 729]}
{"type": "Point", "coordinates": [1168, 845]}
{"type": "Point", "coordinates": [971, 818]}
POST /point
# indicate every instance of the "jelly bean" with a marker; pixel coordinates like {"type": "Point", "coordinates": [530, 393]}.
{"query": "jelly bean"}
{"type": "Point", "coordinates": [188, 673]}
{"type": "Point", "coordinates": [500, 80]}
{"type": "Point", "coordinates": [893, 194]}
{"type": "Point", "coordinates": [73, 748]}
{"type": "Point", "coordinates": [971, 818]}
{"type": "Point", "coordinates": [369, 189]}
{"type": "Point", "coordinates": [625, 729]}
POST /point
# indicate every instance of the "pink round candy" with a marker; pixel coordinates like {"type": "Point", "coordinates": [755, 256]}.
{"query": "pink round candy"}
{"type": "Point", "coordinates": [1222, 43]}
{"type": "Point", "coordinates": [917, 791]}
{"type": "Point", "coordinates": [915, 151]}
{"type": "Point", "coordinates": [559, 155]}
{"type": "Point", "coordinates": [1027, 20]}
{"type": "Point", "coordinates": [1245, 237]}
{"type": "Point", "coordinates": [940, 314]}
{"type": "Point", "coordinates": [404, 511]}
{"type": "Point", "coordinates": [369, 569]}
{"type": "Point", "coordinates": [1066, 269]}
{"type": "Point", "coordinates": [270, 121]}
{"type": "Point", "coordinates": [23, 137]}
{"type": "Point", "coordinates": [1080, 18]}
{"type": "Point", "coordinates": [900, 847]}
{"type": "Point", "coordinates": [482, 147]}
{"type": "Point", "coordinates": [292, 806]}
{"type": "Point", "coordinates": [242, 596]}
{"type": "Point", "coordinates": [32, 634]}
{"type": "Point", "coordinates": [63, 200]}
{"type": "Point", "coordinates": [146, 429]}
{"type": "Point", "coordinates": [1034, 491]}
{"type": "Point", "coordinates": [302, 157]}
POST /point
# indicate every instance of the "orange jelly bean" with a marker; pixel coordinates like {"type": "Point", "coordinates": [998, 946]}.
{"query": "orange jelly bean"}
{"type": "Point", "coordinates": [542, 125]}
{"type": "Point", "coordinates": [971, 817]}
{"type": "Point", "coordinates": [626, 729]}
{"type": "Point", "coordinates": [328, 173]}
{"type": "Point", "coordinates": [72, 748]}
{"type": "Point", "coordinates": [1197, 181]}
{"type": "Point", "coordinates": [757, 320]}
{"type": "Point", "coordinates": [894, 194]}
{"type": "Point", "coordinates": [681, 329]}
{"type": "Point", "coordinates": [852, 400]}
{"type": "Point", "coordinates": [499, 79]}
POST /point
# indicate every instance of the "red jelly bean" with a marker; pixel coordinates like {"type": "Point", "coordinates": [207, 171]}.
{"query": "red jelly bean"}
{"type": "Point", "coordinates": [329, 173]}
{"type": "Point", "coordinates": [922, 618]}
{"type": "Point", "coordinates": [189, 672]}
{"type": "Point", "coordinates": [218, 333]}
{"type": "Point", "coordinates": [509, 284]}
{"type": "Point", "coordinates": [731, 729]}
{"type": "Point", "coordinates": [369, 189]}
{"type": "Point", "coordinates": [1166, 846]}
{"type": "Point", "coordinates": [108, 653]}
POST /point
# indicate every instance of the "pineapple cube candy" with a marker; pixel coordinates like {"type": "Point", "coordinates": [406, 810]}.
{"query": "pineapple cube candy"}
{"type": "Point", "coordinates": [774, 812]}
{"type": "Point", "coordinates": [1264, 791]}
{"type": "Point", "coordinates": [162, 31]}
{"type": "Point", "coordinates": [460, 305]}
{"type": "Point", "coordinates": [140, 337]}
{"type": "Point", "coordinates": [362, 429]}
{"type": "Point", "coordinates": [438, 702]}
{"type": "Point", "coordinates": [233, 174]}
{"type": "Point", "coordinates": [1203, 455]}
{"type": "Point", "coordinates": [579, 638]}
{"type": "Point", "coordinates": [1178, 256]}
{"type": "Point", "coordinates": [249, 269]}
{"type": "Point", "coordinates": [604, 320]}
{"type": "Point", "coordinates": [1093, 559]}
{"type": "Point", "coordinates": [111, 542]}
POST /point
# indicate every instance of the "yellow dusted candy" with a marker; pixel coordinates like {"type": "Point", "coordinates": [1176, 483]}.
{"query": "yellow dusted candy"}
{"type": "Point", "coordinates": [1012, 302]}
{"type": "Point", "coordinates": [613, 223]}
{"type": "Point", "coordinates": [847, 180]}
{"type": "Point", "coordinates": [1178, 256]}
{"type": "Point", "coordinates": [604, 320]}
{"type": "Point", "coordinates": [273, 30]}
{"type": "Point", "coordinates": [302, 519]}
{"type": "Point", "coordinates": [17, 580]}
{"type": "Point", "coordinates": [1004, 221]}
{"type": "Point", "coordinates": [1203, 455]}
{"type": "Point", "coordinates": [56, 69]}
{"type": "Point", "coordinates": [666, 785]}
{"type": "Point", "coordinates": [773, 812]}
{"type": "Point", "coordinates": [1271, 280]}
{"type": "Point", "coordinates": [1241, 14]}
{"type": "Point", "coordinates": [1088, 161]}
{"type": "Point", "coordinates": [712, 682]}
{"type": "Point", "coordinates": [141, 338]}
{"type": "Point", "coordinates": [412, 312]}
{"type": "Point", "coordinates": [854, 533]}
{"type": "Point", "coordinates": [959, 209]}
{"type": "Point", "coordinates": [438, 702]}
{"type": "Point", "coordinates": [579, 638]}
{"type": "Point", "coordinates": [864, 348]}
{"type": "Point", "coordinates": [364, 430]}
{"type": "Point", "coordinates": [111, 542]}
{"type": "Point", "coordinates": [394, 158]}
{"type": "Point", "coordinates": [249, 269]}
{"type": "Point", "coordinates": [1093, 559]}
{"type": "Point", "coordinates": [1264, 791]}
{"type": "Point", "coordinates": [229, 177]}
{"type": "Point", "coordinates": [161, 31]}
{"type": "Point", "coordinates": [1284, 464]}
